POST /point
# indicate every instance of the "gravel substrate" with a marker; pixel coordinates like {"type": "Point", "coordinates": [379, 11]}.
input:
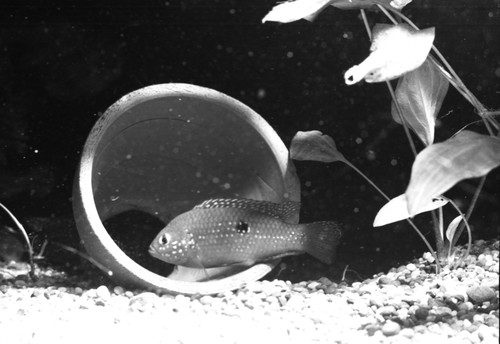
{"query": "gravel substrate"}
{"type": "Point", "coordinates": [409, 304]}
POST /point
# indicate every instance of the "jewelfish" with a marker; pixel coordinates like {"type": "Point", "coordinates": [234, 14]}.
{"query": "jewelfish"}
{"type": "Point", "coordinates": [221, 232]}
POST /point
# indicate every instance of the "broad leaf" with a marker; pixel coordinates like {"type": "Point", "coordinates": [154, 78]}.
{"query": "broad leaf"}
{"type": "Point", "coordinates": [313, 145]}
{"type": "Point", "coordinates": [452, 227]}
{"type": "Point", "coordinates": [399, 4]}
{"type": "Point", "coordinates": [397, 209]}
{"type": "Point", "coordinates": [440, 166]}
{"type": "Point", "coordinates": [395, 50]}
{"type": "Point", "coordinates": [290, 11]}
{"type": "Point", "coordinates": [420, 94]}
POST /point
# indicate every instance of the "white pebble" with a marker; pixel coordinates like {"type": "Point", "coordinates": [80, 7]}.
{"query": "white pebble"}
{"type": "Point", "coordinates": [411, 267]}
{"type": "Point", "coordinates": [391, 328]}
{"type": "Point", "coordinates": [103, 292]}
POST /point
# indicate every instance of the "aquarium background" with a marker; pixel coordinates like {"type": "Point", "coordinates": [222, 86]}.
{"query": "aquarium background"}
{"type": "Point", "coordinates": [63, 63]}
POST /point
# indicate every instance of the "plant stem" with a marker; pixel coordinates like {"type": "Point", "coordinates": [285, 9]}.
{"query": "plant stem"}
{"type": "Point", "coordinates": [426, 242]}
{"type": "Point", "coordinates": [85, 256]}
{"type": "Point", "coordinates": [367, 26]}
{"type": "Point", "coordinates": [26, 240]}
{"type": "Point", "coordinates": [469, 210]}
{"type": "Point", "coordinates": [367, 179]}
{"type": "Point", "coordinates": [438, 232]}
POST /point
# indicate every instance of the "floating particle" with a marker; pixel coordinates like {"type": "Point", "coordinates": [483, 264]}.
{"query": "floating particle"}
{"type": "Point", "coordinates": [261, 93]}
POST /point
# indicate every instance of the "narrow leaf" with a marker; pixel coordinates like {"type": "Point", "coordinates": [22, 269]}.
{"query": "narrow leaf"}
{"type": "Point", "coordinates": [420, 94]}
{"type": "Point", "coordinates": [364, 4]}
{"type": "Point", "coordinates": [355, 4]}
{"type": "Point", "coordinates": [440, 166]}
{"type": "Point", "coordinates": [395, 50]}
{"type": "Point", "coordinates": [397, 209]}
{"type": "Point", "coordinates": [290, 11]}
{"type": "Point", "coordinates": [313, 145]}
{"type": "Point", "coordinates": [452, 227]}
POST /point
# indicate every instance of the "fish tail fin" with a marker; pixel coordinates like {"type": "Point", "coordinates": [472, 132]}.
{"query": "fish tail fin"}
{"type": "Point", "coordinates": [322, 240]}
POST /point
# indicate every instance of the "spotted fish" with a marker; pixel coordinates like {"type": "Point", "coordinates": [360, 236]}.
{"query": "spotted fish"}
{"type": "Point", "coordinates": [222, 232]}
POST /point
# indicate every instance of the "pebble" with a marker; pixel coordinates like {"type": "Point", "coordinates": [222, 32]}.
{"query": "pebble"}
{"type": "Point", "coordinates": [480, 294]}
{"type": "Point", "coordinates": [118, 290]}
{"type": "Point", "coordinates": [391, 328]}
{"type": "Point", "coordinates": [411, 267]}
{"type": "Point", "coordinates": [313, 285]}
{"type": "Point", "coordinates": [422, 313]}
{"type": "Point", "coordinates": [103, 293]}
{"type": "Point", "coordinates": [408, 304]}
{"type": "Point", "coordinates": [206, 300]}
{"type": "Point", "coordinates": [143, 301]}
{"type": "Point", "coordinates": [407, 332]}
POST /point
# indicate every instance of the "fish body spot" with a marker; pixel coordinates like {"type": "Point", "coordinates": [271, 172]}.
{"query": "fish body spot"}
{"type": "Point", "coordinates": [242, 227]}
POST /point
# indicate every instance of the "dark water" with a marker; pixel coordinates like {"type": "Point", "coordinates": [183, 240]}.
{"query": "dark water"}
{"type": "Point", "coordinates": [62, 65]}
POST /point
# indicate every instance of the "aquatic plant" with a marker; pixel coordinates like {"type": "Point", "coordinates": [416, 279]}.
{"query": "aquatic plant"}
{"type": "Point", "coordinates": [27, 242]}
{"type": "Point", "coordinates": [403, 51]}
{"type": "Point", "coordinates": [31, 255]}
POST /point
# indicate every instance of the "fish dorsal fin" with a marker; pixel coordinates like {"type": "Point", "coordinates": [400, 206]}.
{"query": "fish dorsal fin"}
{"type": "Point", "coordinates": [283, 211]}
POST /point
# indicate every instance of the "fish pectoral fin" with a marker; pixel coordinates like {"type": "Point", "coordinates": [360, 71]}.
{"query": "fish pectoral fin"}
{"type": "Point", "coordinates": [284, 254]}
{"type": "Point", "coordinates": [248, 263]}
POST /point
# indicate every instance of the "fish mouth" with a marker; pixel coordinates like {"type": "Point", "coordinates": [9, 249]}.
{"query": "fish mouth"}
{"type": "Point", "coordinates": [152, 251]}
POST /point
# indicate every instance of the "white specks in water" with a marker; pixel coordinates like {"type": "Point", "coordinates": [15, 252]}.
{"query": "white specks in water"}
{"type": "Point", "coordinates": [128, 156]}
{"type": "Point", "coordinates": [289, 54]}
{"type": "Point", "coordinates": [261, 93]}
{"type": "Point", "coordinates": [197, 174]}
{"type": "Point", "coordinates": [394, 162]}
{"type": "Point", "coordinates": [358, 140]}
{"type": "Point", "coordinates": [371, 155]}
{"type": "Point", "coordinates": [215, 180]}
{"type": "Point", "coordinates": [356, 210]}
{"type": "Point", "coordinates": [347, 35]}
{"type": "Point", "coordinates": [308, 183]}
{"type": "Point", "coordinates": [175, 150]}
{"type": "Point", "coordinates": [226, 186]}
{"type": "Point", "coordinates": [114, 198]}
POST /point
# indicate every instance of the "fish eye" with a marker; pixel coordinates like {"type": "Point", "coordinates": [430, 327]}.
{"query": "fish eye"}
{"type": "Point", "coordinates": [164, 239]}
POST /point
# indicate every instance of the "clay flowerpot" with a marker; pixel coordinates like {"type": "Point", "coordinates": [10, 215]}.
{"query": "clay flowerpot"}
{"type": "Point", "coordinates": [158, 152]}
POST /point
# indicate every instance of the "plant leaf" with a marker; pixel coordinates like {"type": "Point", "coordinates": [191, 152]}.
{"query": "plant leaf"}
{"type": "Point", "coordinates": [313, 145]}
{"type": "Point", "coordinates": [355, 4]}
{"type": "Point", "coordinates": [395, 50]}
{"type": "Point", "coordinates": [440, 166]}
{"type": "Point", "coordinates": [452, 227]}
{"type": "Point", "coordinates": [420, 94]}
{"type": "Point", "coordinates": [397, 209]}
{"type": "Point", "coordinates": [290, 11]}
{"type": "Point", "coordinates": [364, 4]}
{"type": "Point", "coordinates": [399, 4]}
